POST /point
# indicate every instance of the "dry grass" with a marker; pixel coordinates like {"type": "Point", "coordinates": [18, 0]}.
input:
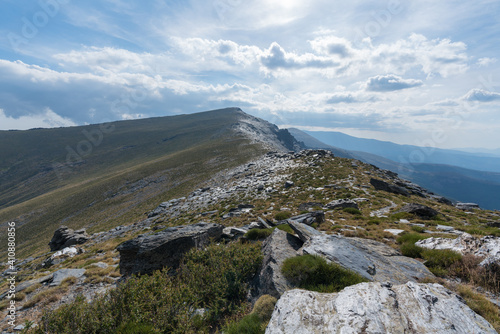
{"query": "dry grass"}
{"type": "Point", "coordinates": [46, 297]}
{"type": "Point", "coordinates": [481, 305]}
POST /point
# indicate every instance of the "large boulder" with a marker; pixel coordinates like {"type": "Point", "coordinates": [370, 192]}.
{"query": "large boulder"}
{"type": "Point", "coordinates": [382, 185]}
{"type": "Point", "coordinates": [309, 218]}
{"type": "Point", "coordinates": [420, 210]}
{"type": "Point", "coordinates": [342, 203]}
{"type": "Point", "coordinates": [467, 206]}
{"type": "Point", "coordinates": [371, 259]}
{"type": "Point", "coordinates": [66, 237]}
{"type": "Point", "coordinates": [278, 247]}
{"type": "Point", "coordinates": [487, 247]}
{"type": "Point", "coordinates": [146, 253]}
{"type": "Point", "coordinates": [376, 308]}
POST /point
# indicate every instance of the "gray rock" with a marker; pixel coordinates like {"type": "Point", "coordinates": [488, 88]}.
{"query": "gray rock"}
{"type": "Point", "coordinates": [371, 259]}
{"type": "Point", "coordinates": [487, 247]}
{"type": "Point", "coordinates": [278, 247]}
{"type": "Point", "coordinates": [62, 274]}
{"type": "Point", "coordinates": [467, 206]}
{"type": "Point", "coordinates": [289, 184]}
{"type": "Point", "coordinates": [304, 232]}
{"type": "Point", "coordinates": [145, 254]}
{"type": "Point", "coordinates": [233, 233]}
{"type": "Point", "coordinates": [420, 210]}
{"type": "Point", "coordinates": [382, 185]}
{"type": "Point", "coordinates": [376, 308]}
{"type": "Point", "coordinates": [342, 203]}
{"type": "Point", "coordinates": [66, 237]}
{"type": "Point", "coordinates": [309, 218]}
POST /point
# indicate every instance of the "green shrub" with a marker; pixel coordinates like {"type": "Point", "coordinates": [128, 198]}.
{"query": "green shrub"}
{"type": "Point", "coordinates": [411, 250]}
{"type": "Point", "coordinates": [264, 307]}
{"type": "Point", "coordinates": [257, 233]}
{"type": "Point", "coordinates": [286, 228]}
{"type": "Point", "coordinates": [402, 215]}
{"type": "Point", "coordinates": [374, 221]}
{"type": "Point", "coordinates": [418, 229]}
{"type": "Point", "coordinates": [282, 215]}
{"type": "Point", "coordinates": [410, 238]}
{"type": "Point", "coordinates": [215, 279]}
{"type": "Point", "coordinates": [440, 260]}
{"type": "Point", "coordinates": [135, 328]}
{"type": "Point", "coordinates": [312, 272]}
{"type": "Point", "coordinates": [250, 324]}
{"type": "Point", "coordinates": [353, 211]}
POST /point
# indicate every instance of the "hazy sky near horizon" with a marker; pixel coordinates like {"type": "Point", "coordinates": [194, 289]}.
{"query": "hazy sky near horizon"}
{"type": "Point", "coordinates": [411, 72]}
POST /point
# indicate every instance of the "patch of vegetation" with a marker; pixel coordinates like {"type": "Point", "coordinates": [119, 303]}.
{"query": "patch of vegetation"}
{"type": "Point", "coordinates": [258, 233]}
{"type": "Point", "coordinates": [407, 244]}
{"type": "Point", "coordinates": [256, 321]}
{"type": "Point", "coordinates": [410, 238]}
{"type": "Point", "coordinates": [282, 215]}
{"type": "Point", "coordinates": [418, 229]}
{"type": "Point", "coordinates": [286, 228]}
{"type": "Point", "coordinates": [215, 279]}
{"type": "Point", "coordinates": [312, 272]}
{"type": "Point", "coordinates": [482, 306]}
{"type": "Point", "coordinates": [402, 215]}
{"type": "Point", "coordinates": [440, 260]}
{"type": "Point", "coordinates": [352, 211]}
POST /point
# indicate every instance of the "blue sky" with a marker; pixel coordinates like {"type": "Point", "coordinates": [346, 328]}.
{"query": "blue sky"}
{"type": "Point", "coordinates": [412, 72]}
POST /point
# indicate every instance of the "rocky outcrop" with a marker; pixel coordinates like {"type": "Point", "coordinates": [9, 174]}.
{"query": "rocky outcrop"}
{"type": "Point", "coordinates": [309, 218]}
{"type": "Point", "coordinates": [487, 247]}
{"type": "Point", "coordinates": [278, 247]}
{"type": "Point", "coordinates": [420, 210]}
{"type": "Point", "coordinates": [60, 275]}
{"type": "Point", "coordinates": [66, 237]}
{"type": "Point", "coordinates": [147, 253]}
{"type": "Point", "coordinates": [376, 308]}
{"type": "Point", "coordinates": [467, 206]}
{"type": "Point", "coordinates": [371, 259]}
{"type": "Point", "coordinates": [382, 185]}
{"type": "Point", "coordinates": [342, 203]}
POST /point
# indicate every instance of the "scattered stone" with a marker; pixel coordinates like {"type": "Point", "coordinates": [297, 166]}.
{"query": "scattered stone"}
{"type": "Point", "coordinates": [487, 247]}
{"type": "Point", "coordinates": [101, 265]}
{"type": "Point", "coordinates": [233, 233]}
{"type": "Point", "coordinates": [445, 228]}
{"type": "Point", "coordinates": [278, 247]}
{"type": "Point", "coordinates": [310, 218]}
{"type": "Point", "coordinates": [145, 254]}
{"type": "Point", "coordinates": [62, 274]}
{"type": "Point", "coordinates": [394, 231]}
{"type": "Point", "coordinates": [420, 210]}
{"type": "Point", "coordinates": [289, 184]}
{"type": "Point", "coordinates": [382, 185]}
{"type": "Point", "coordinates": [66, 237]}
{"type": "Point", "coordinates": [467, 206]}
{"type": "Point", "coordinates": [209, 213]}
{"type": "Point", "coordinates": [442, 199]}
{"type": "Point", "coordinates": [376, 308]}
{"type": "Point", "coordinates": [342, 203]}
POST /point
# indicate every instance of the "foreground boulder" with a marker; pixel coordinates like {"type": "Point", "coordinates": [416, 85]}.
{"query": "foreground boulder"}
{"type": "Point", "coordinates": [371, 259]}
{"type": "Point", "coordinates": [487, 247]}
{"type": "Point", "coordinates": [66, 237]}
{"type": "Point", "coordinates": [144, 254]}
{"type": "Point", "coordinates": [278, 247]}
{"type": "Point", "coordinates": [376, 308]}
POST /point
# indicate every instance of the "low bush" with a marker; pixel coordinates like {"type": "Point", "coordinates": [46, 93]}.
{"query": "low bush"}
{"type": "Point", "coordinates": [215, 279]}
{"type": "Point", "coordinates": [352, 211]}
{"type": "Point", "coordinates": [256, 321]}
{"type": "Point", "coordinates": [418, 229]}
{"type": "Point", "coordinates": [282, 215]}
{"type": "Point", "coordinates": [286, 228]}
{"type": "Point", "coordinates": [313, 273]}
{"type": "Point", "coordinates": [258, 233]}
{"type": "Point", "coordinates": [440, 260]}
{"type": "Point", "coordinates": [469, 270]}
{"type": "Point", "coordinates": [411, 250]}
{"type": "Point", "coordinates": [410, 238]}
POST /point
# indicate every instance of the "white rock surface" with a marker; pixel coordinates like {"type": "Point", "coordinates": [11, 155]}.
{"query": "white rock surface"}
{"type": "Point", "coordinates": [487, 247]}
{"type": "Point", "coordinates": [376, 308]}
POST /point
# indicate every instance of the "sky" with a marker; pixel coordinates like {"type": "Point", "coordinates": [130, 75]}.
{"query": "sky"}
{"type": "Point", "coordinates": [425, 73]}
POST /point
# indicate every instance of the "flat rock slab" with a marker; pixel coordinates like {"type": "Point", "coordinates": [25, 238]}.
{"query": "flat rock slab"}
{"type": "Point", "coordinates": [371, 259]}
{"type": "Point", "coordinates": [145, 254]}
{"type": "Point", "coordinates": [376, 308]}
{"type": "Point", "coordinates": [62, 274]}
{"type": "Point", "coordinates": [394, 231]}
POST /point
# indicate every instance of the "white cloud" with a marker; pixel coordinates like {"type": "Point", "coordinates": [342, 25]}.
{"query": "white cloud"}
{"type": "Point", "coordinates": [47, 119]}
{"type": "Point", "coordinates": [388, 83]}
{"type": "Point", "coordinates": [480, 95]}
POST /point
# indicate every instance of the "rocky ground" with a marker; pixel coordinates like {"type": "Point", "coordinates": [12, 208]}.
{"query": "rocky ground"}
{"type": "Point", "coordinates": [343, 210]}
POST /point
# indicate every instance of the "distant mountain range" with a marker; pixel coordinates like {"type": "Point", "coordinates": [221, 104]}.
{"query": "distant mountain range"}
{"type": "Point", "coordinates": [460, 176]}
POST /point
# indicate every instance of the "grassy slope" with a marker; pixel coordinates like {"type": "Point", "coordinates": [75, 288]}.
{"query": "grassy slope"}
{"type": "Point", "coordinates": [138, 164]}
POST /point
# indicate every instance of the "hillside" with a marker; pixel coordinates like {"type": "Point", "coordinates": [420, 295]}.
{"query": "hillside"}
{"type": "Point", "coordinates": [456, 183]}
{"type": "Point", "coordinates": [104, 175]}
{"type": "Point", "coordinates": [229, 241]}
